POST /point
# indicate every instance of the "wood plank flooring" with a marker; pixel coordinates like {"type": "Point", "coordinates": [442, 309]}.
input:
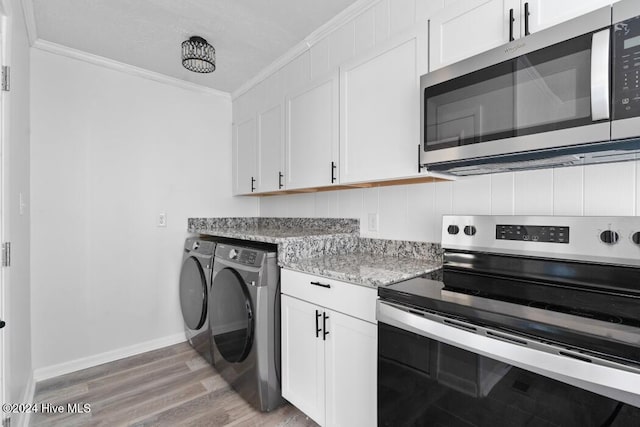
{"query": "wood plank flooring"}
{"type": "Point", "coordinates": [172, 386]}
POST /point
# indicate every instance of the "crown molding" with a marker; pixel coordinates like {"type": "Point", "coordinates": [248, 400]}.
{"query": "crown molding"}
{"type": "Point", "coordinates": [336, 22]}
{"type": "Point", "coordinates": [30, 21]}
{"type": "Point", "coordinates": [69, 52]}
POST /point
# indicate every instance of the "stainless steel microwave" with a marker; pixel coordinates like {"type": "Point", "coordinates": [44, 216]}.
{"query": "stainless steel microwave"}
{"type": "Point", "coordinates": [569, 94]}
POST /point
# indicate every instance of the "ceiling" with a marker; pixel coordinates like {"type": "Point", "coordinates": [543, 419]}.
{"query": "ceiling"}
{"type": "Point", "coordinates": [248, 35]}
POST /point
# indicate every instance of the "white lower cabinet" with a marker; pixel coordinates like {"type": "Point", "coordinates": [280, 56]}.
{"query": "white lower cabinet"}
{"type": "Point", "coordinates": [351, 352]}
{"type": "Point", "coordinates": [302, 358]}
{"type": "Point", "coordinates": [329, 358]}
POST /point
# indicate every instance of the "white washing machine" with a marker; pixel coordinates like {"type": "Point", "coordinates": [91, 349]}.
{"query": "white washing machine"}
{"type": "Point", "coordinates": [195, 284]}
{"type": "Point", "coordinates": [245, 322]}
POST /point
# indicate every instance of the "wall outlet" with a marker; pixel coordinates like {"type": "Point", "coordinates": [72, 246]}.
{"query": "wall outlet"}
{"type": "Point", "coordinates": [162, 219]}
{"type": "Point", "coordinates": [373, 222]}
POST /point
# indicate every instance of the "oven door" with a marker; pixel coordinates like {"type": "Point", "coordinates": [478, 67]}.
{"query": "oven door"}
{"type": "Point", "coordinates": [554, 83]}
{"type": "Point", "coordinates": [439, 371]}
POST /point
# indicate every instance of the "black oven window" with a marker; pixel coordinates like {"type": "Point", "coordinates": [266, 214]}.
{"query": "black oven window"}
{"type": "Point", "coordinates": [423, 382]}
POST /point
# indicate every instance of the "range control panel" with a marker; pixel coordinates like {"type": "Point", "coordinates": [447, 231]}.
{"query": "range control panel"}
{"type": "Point", "coordinates": [602, 239]}
{"type": "Point", "coordinates": [533, 233]}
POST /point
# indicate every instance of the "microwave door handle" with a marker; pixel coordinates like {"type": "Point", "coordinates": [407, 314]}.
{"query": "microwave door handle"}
{"type": "Point", "coordinates": [600, 65]}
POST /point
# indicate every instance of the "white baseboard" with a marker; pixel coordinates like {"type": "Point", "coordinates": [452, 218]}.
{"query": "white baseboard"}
{"type": "Point", "coordinates": [47, 372]}
{"type": "Point", "coordinates": [22, 419]}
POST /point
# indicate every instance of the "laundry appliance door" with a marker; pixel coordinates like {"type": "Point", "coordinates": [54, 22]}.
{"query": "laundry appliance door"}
{"type": "Point", "coordinates": [193, 294]}
{"type": "Point", "coordinates": [232, 316]}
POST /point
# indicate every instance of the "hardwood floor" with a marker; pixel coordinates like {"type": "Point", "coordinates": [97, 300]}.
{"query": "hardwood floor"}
{"type": "Point", "coordinates": [172, 386]}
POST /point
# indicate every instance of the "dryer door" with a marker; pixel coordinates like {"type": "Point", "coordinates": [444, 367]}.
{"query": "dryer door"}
{"type": "Point", "coordinates": [193, 294]}
{"type": "Point", "coordinates": [231, 318]}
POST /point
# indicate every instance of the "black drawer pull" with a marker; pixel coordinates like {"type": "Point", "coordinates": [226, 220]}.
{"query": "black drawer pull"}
{"type": "Point", "coordinates": [511, 19]}
{"type": "Point", "coordinates": [323, 285]}
{"type": "Point", "coordinates": [324, 326]}
{"type": "Point", "coordinates": [317, 325]}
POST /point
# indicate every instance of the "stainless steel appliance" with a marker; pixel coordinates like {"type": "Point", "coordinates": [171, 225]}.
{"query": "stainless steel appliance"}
{"type": "Point", "coordinates": [245, 321]}
{"type": "Point", "coordinates": [567, 95]}
{"type": "Point", "coordinates": [195, 282]}
{"type": "Point", "coordinates": [536, 321]}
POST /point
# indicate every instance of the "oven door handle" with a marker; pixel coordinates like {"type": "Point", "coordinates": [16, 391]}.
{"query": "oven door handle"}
{"type": "Point", "coordinates": [561, 364]}
{"type": "Point", "coordinates": [600, 65]}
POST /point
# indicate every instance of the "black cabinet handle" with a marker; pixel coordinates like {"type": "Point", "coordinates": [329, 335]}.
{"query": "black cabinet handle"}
{"type": "Point", "coordinates": [419, 165]}
{"type": "Point", "coordinates": [253, 188]}
{"type": "Point", "coordinates": [511, 20]}
{"type": "Point", "coordinates": [323, 285]}
{"type": "Point", "coordinates": [526, 19]}
{"type": "Point", "coordinates": [280, 175]}
{"type": "Point", "coordinates": [317, 325]}
{"type": "Point", "coordinates": [333, 172]}
{"type": "Point", "coordinates": [324, 326]}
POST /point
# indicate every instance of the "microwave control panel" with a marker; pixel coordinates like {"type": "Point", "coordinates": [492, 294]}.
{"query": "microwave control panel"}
{"type": "Point", "coordinates": [626, 69]}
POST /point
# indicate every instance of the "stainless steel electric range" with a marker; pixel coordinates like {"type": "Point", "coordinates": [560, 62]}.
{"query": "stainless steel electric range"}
{"type": "Point", "coordinates": [534, 321]}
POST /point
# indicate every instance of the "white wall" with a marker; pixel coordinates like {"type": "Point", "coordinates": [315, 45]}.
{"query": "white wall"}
{"type": "Point", "coordinates": [109, 151]}
{"type": "Point", "coordinates": [16, 180]}
{"type": "Point", "coordinates": [414, 212]}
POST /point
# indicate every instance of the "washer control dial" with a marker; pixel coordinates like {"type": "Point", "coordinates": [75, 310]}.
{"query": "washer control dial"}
{"type": "Point", "coordinates": [233, 254]}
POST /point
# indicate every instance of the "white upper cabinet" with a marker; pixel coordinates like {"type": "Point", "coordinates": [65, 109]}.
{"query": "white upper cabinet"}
{"type": "Point", "coordinates": [469, 27]}
{"type": "Point", "coordinates": [244, 156]}
{"type": "Point", "coordinates": [379, 110]}
{"type": "Point", "coordinates": [311, 136]}
{"type": "Point", "coordinates": [546, 13]}
{"type": "Point", "coordinates": [271, 149]}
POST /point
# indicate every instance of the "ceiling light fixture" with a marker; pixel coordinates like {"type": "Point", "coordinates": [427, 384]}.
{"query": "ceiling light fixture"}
{"type": "Point", "coordinates": [198, 55]}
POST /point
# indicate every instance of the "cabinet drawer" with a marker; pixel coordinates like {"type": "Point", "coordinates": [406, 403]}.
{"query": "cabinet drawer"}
{"type": "Point", "coordinates": [353, 300]}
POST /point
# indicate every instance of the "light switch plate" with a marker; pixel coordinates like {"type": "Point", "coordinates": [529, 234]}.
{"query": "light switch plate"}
{"type": "Point", "coordinates": [162, 219]}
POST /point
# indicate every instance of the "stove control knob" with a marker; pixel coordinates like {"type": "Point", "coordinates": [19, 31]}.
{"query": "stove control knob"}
{"type": "Point", "coordinates": [636, 237]}
{"type": "Point", "coordinates": [453, 229]}
{"type": "Point", "coordinates": [470, 230]}
{"type": "Point", "coordinates": [609, 237]}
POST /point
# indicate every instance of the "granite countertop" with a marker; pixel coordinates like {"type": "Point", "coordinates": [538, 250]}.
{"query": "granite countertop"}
{"type": "Point", "coordinates": [330, 247]}
{"type": "Point", "coordinates": [269, 235]}
{"type": "Point", "coordinates": [365, 269]}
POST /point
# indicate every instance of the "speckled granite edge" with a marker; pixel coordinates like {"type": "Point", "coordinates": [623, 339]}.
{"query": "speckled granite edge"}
{"type": "Point", "coordinates": [324, 225]}
{"type": "Point", "coordinates": [315, 247]}
{"type": "Point", "coordinates": [365, 269]}
{"type": "Point", "coordinates": [402, 248]}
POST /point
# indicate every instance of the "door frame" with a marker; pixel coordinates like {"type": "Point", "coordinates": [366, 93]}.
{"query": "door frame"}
{"type": "Point", "coordinates": [5, 33]}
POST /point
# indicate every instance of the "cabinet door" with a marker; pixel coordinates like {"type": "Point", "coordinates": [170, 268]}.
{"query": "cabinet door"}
{"type": "Point", "coordinates": [351, 352]}
{"type": "Point", "coordinates": [245, 155]}
{"type": "Point", "coordinates": [312, 134]}
{"type": "Point", "coordinates": [469, 27]}
{"type": "Point", "coordinates": [303, 358]}
{"type": "Point", "coordinates": [546, 13]}
{"type": "Point", "coordinates": [270, 148]}
{"type": "Point", "coordinates": [379, 109]}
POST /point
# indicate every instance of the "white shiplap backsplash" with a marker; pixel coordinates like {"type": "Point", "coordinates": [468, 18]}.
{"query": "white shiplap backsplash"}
{"type": "Point", "coordinates": [414, 212]}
